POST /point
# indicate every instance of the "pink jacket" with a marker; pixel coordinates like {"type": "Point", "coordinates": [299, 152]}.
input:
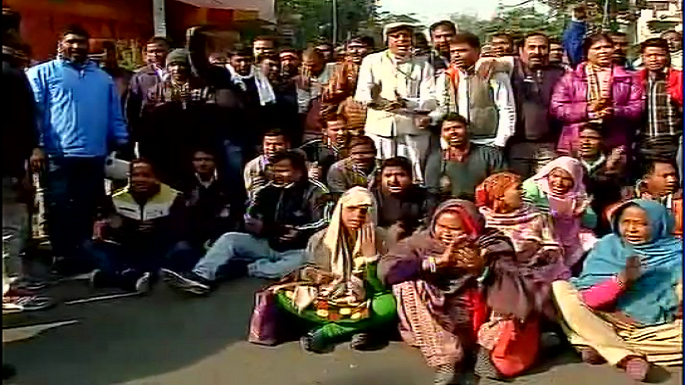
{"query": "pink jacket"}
{"type": "Point", "coordinates": [569, 105]}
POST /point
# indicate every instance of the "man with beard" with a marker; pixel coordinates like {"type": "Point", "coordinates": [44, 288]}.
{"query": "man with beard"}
{"type": "Point", "coordinates": [484, 98]}
{"type": "Point", "coordinates": [322, 153]}
{"type": "Point", "coordinates": [403, 206]}
{"type": "Point", "coordinates": [338, 96]}
{"type": "Point", "coordinates": [663, 90]}
{"type": "Point", "coordinates": [621, 46]}
{"type": "Point", "coordinates": [138, 231]}
{"type": "Point", "coordinates": [279, 222]}
{"type": "Point", "coordinates": [399, 91]}
{"type": "Point", "coordinates": [533, 80]}
{"type": "Point", "coordinates": [442, 34]}
{"type": "Point", "coordinates": [461, 165]}
{"type": "Point", "coordinates": [79, 121]}
{"type": "Point", "coordinates": [156, 51]}
{"type": "Point", "coordinates": [358, 169]}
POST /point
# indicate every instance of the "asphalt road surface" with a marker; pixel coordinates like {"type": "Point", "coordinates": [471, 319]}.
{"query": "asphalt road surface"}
{"type": "Point", "coordinates": [169, 339]}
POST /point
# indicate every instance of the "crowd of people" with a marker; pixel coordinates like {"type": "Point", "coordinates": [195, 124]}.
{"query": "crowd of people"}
{"type": "Point", "coordinates": [474, 200]}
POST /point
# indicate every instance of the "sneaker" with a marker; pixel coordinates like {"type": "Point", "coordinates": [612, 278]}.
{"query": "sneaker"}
{"type": "Point", "coordinates": [188, 282]}
{"type": "Point", "coordinates": [143, 284]}
{"type": "Point", "coordinates": [12, 305]}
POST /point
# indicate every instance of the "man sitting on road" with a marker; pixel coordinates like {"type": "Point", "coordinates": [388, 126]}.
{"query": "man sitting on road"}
{"type": "Point", "coordinates": [213, 206]}
{"type": "Point", "coordinates": [279, 222]}
{"type": "Point", "coordinates": [141, 227]}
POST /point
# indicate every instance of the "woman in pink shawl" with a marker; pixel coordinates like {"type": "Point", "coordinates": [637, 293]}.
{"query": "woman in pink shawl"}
{"type": "Point", "coordinates": [558, 191]}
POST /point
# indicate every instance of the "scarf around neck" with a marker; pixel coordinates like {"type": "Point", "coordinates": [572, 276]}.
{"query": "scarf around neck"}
{"type": "Point", "coordinates": [264, 88]}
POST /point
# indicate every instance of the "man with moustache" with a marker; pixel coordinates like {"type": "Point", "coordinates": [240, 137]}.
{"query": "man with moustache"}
{"type": "Point", "coordinates": [621, 46]}
{"type": "Point", "coordinates": [402, 205]}
{"type": "Point", "coordinates": [156, 51]}
{"type": "Point", "coordinates": [80, 122]}
{"type": "Point", "coordinates": [399, 91]}
{"type": "Point", "coordinates": [442, 34]}
{"type": "Point", "coordinates": [533, 80]}
{"type": "Point", "coordinates": [484, 98]}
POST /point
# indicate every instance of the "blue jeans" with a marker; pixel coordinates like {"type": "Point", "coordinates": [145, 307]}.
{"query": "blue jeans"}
{"type": "Point", "coordinates": [74, 187]}
{"type": "Point", "coordinates": [264, 261]}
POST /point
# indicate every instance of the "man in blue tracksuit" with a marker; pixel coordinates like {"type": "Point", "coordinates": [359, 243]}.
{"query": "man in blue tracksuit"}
{"type": "Point", "coordinates": [79, 121]}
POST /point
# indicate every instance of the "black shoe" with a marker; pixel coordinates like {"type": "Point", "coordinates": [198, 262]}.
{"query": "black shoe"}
{"type": "Point", "coordinates": [8, 371]}
{"type": "Point", "coordinates": [97, 279]}
{"type": "Point", "coordinates": [188, 282]}
{"type": "Point", "coordinates": [367, 342]}
{"type": "Point", "coordinates": [314, 342]}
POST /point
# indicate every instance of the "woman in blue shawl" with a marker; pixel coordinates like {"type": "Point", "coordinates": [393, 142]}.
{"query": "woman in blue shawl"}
{"type": "Point", "coordinates": [626, 306]}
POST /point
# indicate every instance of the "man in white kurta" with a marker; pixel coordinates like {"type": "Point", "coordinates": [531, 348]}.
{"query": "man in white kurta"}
{"type": "Point", "coordinates": [399, 91]}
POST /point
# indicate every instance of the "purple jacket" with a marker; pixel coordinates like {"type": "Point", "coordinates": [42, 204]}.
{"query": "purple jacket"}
{"type": "Point", "coordinates": [569, 105]}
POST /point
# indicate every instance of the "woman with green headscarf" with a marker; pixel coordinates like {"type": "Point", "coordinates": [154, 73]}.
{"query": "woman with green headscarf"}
{"type": "Point", "coordinates": [626, 306]}
{"type": "Point", "coordinates": [337, 295]}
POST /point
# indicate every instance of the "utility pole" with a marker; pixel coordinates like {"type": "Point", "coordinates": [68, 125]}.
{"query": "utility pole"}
{"type": "Point", "coordinates": [335, 23]}
{"type": "Point", "coordinates": [159, 17]}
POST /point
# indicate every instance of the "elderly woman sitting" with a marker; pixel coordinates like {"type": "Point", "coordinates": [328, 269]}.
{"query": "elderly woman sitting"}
{"type": "Point", "coordinates": [558, 190]}
{"type": "Point", "coordinates": [626, 306]}
{"type": "Point", "coordinates": [434, 275]}
{"type": "Point", "coordinates": [337, 295]}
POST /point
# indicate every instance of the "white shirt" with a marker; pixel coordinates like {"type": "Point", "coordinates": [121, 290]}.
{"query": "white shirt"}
{"type": "Point", "coordinates": [382, 76]}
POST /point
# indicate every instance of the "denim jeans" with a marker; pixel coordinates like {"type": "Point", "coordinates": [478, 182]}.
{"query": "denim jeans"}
{"type": "Point", "coordinates": [74, 187]}
{"type": "Point", "coordinates": [15, 226]}
{"type": "Point", "coordinates": [266, 262]}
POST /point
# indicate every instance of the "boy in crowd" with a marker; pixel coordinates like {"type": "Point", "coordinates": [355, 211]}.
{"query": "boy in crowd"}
{"type": "Point", "coordinates": [279, 222]}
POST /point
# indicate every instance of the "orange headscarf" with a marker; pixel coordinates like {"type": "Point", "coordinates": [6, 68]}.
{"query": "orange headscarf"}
{"type": "Point", "coordinates": [493, 188]}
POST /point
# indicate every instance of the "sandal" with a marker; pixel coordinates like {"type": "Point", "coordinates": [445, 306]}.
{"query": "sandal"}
{"type": "Point", "coordinates": [11, 305]}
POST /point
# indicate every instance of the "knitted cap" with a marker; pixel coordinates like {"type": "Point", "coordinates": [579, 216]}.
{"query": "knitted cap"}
{"type": "Point", "coordinates": [178, 56]}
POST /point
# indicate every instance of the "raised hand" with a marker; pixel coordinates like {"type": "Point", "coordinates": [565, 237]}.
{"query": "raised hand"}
{"type": "Point", "coordinates": [632, 271]}
{"type": "Point", "coordinates": [367, 241]}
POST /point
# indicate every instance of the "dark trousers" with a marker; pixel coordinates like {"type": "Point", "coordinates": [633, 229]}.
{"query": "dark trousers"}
{"type": "Point", "coordinates": [74, 187]}
{"type": "Point", "coordinates": [123, 264]}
